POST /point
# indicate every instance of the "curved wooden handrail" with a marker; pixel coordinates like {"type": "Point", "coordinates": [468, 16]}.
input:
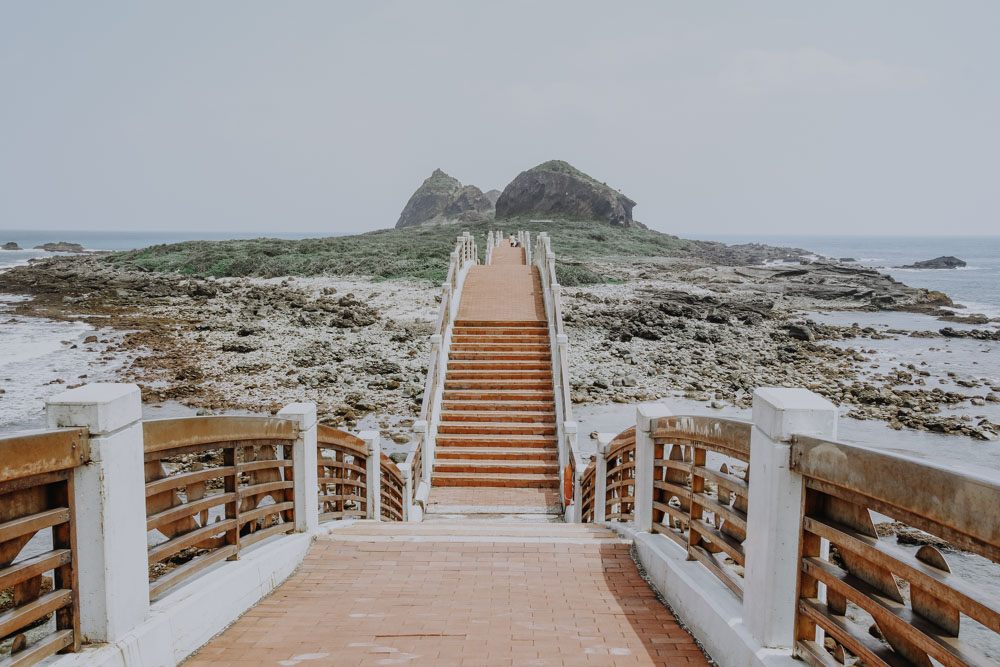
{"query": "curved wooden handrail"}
{"type": "Point", "coordinates": [163, 434]}
{"type": "Point", "coordinates": [725, 436]}
{"type": "Point", "coordinates": [620, 442]}
{"type": "Point", "coordinates": [327, 435]}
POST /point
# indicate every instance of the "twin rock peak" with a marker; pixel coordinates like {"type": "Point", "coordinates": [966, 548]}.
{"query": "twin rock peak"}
{"type": "Point", "coordinates": [553, 189]}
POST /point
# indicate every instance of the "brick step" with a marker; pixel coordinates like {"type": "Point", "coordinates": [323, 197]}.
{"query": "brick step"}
{"type": "Point", "coordinates": [499, 416]}
{"type": "Point", "coordinates": [506, 324]}
{"type": "Point", "coordinates": [493, 479]}
{"type": "Point", "coordinates": [499, 394]}
{"type": "Point", "coordinates": [498, 330]}
{"type": "Point", "coordinates": [469, 355]}
{"type": "Point", "coordinates": [514, 406]}
{"type": "Point", "coordinates": [496, 428]}
{"type": "Point", "coordinates": [497, 383]}
{"type": "Point", "coordinates": [541, 339]}
{"type": "Point", "coordinates": [500, 347]}
{"type": "Point", "coordinates": [498, 365]}
{"type": "Point", "coordinates": [498, 373]}
{"type": "Point", "coordinates": [496, 453]}
{"type": "Point", "coordinates": [497, 466]}
{"type": "Point", "coordinates": [446, 440]}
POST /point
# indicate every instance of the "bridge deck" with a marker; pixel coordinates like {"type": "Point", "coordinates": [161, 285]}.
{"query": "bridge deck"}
{"type": "Point", "coordinates": [459, 593]}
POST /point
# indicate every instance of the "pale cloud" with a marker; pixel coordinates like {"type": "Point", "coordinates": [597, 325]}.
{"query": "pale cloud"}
{"type": "Point", "coordinates": [813, 71]}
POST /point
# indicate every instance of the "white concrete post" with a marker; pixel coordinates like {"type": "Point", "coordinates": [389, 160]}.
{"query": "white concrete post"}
{"type": "Point", "coordinates": [550, 263]}
{"type": "Point", "coordinates": [304, 465]}
{"type": "Point", "coordinates": [775, 508]}
{"type": "Point", "coordinates": [374, 472]}
{"type": "Point", "coordinates": [601, 477]}
{"type": "Point", "coordinates": [420, 429]}
{"type": "Point", "coordinates": [645, 417]}
{"type": "Point", "coordinates": [110, 498]}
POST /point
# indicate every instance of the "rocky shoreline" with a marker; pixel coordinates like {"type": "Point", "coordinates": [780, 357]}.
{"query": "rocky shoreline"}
{"type": "Point", "coordinates": [707, 329]}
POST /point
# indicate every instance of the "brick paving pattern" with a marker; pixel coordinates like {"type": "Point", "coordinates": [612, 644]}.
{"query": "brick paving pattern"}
{"type": "Point", "coordinates": [505, 293]}
{"type": "Point", "coordinates": [504, 254]}
{"type": "Point", "coordinates": [492, 496]}
{"type": "Point", "coordinates": [360, 600]}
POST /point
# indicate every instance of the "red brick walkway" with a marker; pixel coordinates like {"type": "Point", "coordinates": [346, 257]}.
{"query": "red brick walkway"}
{"type": "Point", "coordinates": [505, 290]}
{"type": "Point", "coordinates": [433, 594]}
{"type": "Point", "coordinates": [504, 499]}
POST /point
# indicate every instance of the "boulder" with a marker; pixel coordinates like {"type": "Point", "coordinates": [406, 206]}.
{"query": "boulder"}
{"type": "Point", "coordinates": [10, 246]}
{"type": "Point", "coordinates": [556, 188]}
{"type": "Point", "coordinates": [441, 198]}
{"type": "Point", "coordinates": [943, 262]}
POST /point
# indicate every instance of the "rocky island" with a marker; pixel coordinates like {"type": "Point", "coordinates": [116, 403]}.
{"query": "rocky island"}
{"type": "Point", "coordinates": [61, 246]}
{"type": "Point", "coordinates": [10, 246]}
{"type": "Point", "coordinates": [558, 189]}
{"type": "Point", "coordinates": [943, 262]}
{"type": "Point", "coordinates": [442, 198]}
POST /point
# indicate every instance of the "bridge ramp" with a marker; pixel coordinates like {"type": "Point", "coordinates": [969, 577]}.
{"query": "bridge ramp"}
{"type": "Point", "coordinates": [459, 593]}
{"type": "Point", "coordinates": [498, 422]}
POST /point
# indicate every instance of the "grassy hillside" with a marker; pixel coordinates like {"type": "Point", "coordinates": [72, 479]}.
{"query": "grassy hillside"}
{"type": "Point", "coordinates": [413, 252]}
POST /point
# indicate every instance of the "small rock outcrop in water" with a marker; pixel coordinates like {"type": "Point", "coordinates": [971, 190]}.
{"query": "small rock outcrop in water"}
{"type": "Point", "coordinates": [944, 262]}
{"type": "Point", "coordinates": [62, 246]}
{"type": "Point", "coordinates": [441, 198]}
{"type": "Point", "coordinates": [556, 188]}
{"type": "Point", "coordinates": [10, 246]}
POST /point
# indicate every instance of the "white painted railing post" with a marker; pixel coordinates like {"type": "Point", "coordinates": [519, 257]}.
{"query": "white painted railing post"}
{"type": "Point", "coordinates": [645, 417]}
{"type": "Point", "coordinates": [110, 498]}
{"type": "Point", "coordinates": [304, 465]}
{"type": "Point", "coordinates": [775, 508]}
{"type": "Point", "coordinates": [601, 477]}
{"type": "Point", "coordinates": [373, 471]}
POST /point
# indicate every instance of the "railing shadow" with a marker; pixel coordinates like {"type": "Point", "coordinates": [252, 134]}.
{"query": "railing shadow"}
{"type": "Point", "coordinates": [639, 612]}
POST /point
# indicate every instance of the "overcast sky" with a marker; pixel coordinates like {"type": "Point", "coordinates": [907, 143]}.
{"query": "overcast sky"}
{"type": "Point", "coordinates": [256, 116]}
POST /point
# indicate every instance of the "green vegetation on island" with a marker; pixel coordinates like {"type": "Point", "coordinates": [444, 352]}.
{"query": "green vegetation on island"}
{"type": "Point", "coordinates": [413, 252]}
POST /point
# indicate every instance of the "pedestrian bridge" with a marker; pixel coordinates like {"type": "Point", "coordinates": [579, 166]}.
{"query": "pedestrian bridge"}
{"type": "Point", "coordinates": [279, 541]}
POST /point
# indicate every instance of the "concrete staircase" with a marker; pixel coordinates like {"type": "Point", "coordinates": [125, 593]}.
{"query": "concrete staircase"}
{"type": "Point", "coordinates": [498, 422]}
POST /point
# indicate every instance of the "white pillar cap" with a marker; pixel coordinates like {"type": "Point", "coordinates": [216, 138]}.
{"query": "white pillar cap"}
{"type": "Point", "coordinates": [782, 412]}
{"type": "Point", "coordinates": [102, 407]}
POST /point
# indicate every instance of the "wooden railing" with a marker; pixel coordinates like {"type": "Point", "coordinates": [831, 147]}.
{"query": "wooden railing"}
{"type": "Point", "coordinates": [816, 558]}
{"type": "Point", "coordinates": [392, 489]}
{"type": "Point", "coordinates": [620, 481]}
{"type": "Point", "coordinates": [701, 507]}
{"type": "Point", "coordinates": [914, 599]}
{"type": "Point", "coordinates": [342, 460]}
{"type": "Point", "coordinates": [587, 494]}
{"type": "Point", "coordinates": [36, 496]}
{"type": "Point", "coordinates": [214, 486]}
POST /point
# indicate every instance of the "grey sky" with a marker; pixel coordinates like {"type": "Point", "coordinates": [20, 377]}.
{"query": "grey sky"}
{"type": "Point", "coordinates": [252, 116]}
